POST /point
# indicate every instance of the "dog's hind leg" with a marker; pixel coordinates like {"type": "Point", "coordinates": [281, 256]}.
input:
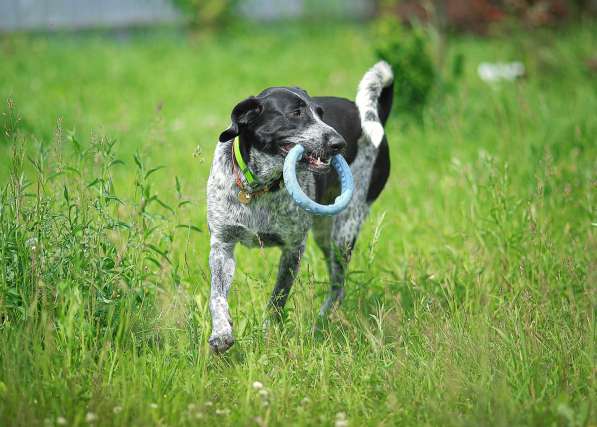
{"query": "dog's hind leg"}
{"type": "Point", "coordinates": [222, 265]}
{"type": "Point", "coordinates": [344, 233]}
{"type": "Point", "coordinates": [290, 261]}
{"type": "Point", "coordinates": [347, 224]}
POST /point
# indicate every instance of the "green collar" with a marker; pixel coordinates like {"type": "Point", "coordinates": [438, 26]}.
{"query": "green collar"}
{"type": "Point", "coordinates": [244, 168]}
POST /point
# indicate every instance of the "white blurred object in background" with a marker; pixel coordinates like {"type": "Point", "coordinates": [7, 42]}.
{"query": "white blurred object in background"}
{"type": "Point", "coordinates": [500, 71]}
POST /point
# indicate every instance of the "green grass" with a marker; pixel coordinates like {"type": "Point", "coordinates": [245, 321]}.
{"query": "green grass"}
{"type": "Point", "coordinates": [471, 294]}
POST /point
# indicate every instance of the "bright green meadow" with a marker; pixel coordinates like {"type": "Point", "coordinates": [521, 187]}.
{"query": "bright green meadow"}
{"type": "Point", "coordinates": [471, 294]}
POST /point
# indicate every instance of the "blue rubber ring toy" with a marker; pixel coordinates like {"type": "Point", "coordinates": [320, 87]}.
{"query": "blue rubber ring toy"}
{"type": "Point", "coordinates": [299, 196]}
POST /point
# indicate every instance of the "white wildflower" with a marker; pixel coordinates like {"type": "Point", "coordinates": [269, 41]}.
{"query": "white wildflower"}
{"type": "Point", "coordinates": [223, 412]}
{"type": "Point", "coordinates": [341, 420]}
{"type": "Point", "coordinates": [257, 385]}
{"type": "Point", "coordinates": [90, 417]}
{"type": "Point", "coordinates": [32, 243]}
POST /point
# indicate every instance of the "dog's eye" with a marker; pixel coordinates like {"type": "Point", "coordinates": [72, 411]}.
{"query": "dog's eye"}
{"type": "Point", "coordinates": [319, 112]}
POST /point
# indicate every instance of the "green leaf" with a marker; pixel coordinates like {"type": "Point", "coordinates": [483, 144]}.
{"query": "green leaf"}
{"type": "Point", "coordinates": [114, 198]}
{"type": "Point", "coordinates": [153, 260]}
{"type": "Point", "coordinates": [153, 170]}
{"type": "Point", "coordinates": [138, 161]}
{"type": "Point", "coordinates": [178, 190]}
{"type": "Point", "coordinates": [116, 162]}
{"type": "Point", "coordinates": [190, 227]}
{"type": "Point", "coordinates": [164, 205]}
{"type": "Point", "coordinates": [158, 251]}
{"type": "Point", "coordinates": [71, 169]}
{"type": "Point", "coordinates": [73, 139]}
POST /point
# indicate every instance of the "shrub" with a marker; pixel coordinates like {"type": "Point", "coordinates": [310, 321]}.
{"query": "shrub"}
{"type": "Point", "coordinates": [407, 51]}
{"type": "Point", "coordinates": [207, 14]}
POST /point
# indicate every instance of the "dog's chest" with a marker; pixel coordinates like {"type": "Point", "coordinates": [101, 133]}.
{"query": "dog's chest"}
{"type": "Point", "coordinates": [269, 220]}
{"type": "Point", "coordinates": [272, 219]}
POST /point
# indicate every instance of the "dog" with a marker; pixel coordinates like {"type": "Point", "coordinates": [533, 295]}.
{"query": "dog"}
{"type": "Point", "coordinates": [246, 202]}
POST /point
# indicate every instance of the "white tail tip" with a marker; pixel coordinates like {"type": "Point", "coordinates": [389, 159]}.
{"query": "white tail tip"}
{"type": "Point", "coordinates": [385, 70]}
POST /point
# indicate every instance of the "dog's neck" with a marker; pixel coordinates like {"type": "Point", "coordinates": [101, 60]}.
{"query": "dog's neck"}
{"type": "Point", "coordinates": [266, 167]}
{"type": "Point", "coordinates": [264, 175]}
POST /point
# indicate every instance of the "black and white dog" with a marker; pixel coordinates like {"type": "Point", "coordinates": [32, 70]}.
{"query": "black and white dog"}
{"type": "Point", "coordinates": [261, 213]}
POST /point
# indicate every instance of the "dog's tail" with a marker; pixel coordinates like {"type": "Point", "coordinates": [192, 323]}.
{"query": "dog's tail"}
{"type": "Point", "coordinates": [374, 100]}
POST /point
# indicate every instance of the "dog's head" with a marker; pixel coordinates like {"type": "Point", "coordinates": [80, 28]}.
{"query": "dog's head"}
{"type": "Point", "coordinates": [271, 123]}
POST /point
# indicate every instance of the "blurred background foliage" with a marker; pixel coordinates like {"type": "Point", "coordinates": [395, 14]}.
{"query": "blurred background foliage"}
{"type": "Point", "coordinates": [412, 36]}
{"type": "Point", "coordinates": [208, 15]}
{"type": "Point", "coordinates": [407, 50]}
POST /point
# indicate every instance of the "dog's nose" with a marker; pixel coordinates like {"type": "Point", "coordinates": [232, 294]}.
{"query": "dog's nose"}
{"type": "Point", "coordinates": [336, 144]}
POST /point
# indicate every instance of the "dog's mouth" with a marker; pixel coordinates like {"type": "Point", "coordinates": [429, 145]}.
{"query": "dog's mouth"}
{"type": "Point", "coordinates": [315, 162]}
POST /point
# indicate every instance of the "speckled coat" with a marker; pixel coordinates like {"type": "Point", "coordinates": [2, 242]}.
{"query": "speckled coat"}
{"type": "Point", "coordinates": [273, 219]}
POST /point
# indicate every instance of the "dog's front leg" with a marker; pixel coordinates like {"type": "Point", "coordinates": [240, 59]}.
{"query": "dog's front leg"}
{"type": "Point", "coordinates": [221, 264]}
{"type": "Point", "coordinates": [290, 261]}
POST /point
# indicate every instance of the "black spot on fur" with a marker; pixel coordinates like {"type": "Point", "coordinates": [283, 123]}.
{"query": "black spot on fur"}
{"type": "Point", "coordinates": [370, 116]}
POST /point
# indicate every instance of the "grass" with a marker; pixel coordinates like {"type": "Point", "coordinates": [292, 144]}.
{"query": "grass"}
{"type": "Point", "coordinates": [471, 294]}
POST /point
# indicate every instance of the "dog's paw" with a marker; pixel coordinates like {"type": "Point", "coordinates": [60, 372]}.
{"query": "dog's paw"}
{"type": "Point", "coordinates": [219, 343]}
{"type": "Point", "coordinates": [334, 299]}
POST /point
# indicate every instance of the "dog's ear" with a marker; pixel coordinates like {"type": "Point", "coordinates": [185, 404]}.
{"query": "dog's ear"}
{"type": "Point", "coordinates": [244, 113]}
